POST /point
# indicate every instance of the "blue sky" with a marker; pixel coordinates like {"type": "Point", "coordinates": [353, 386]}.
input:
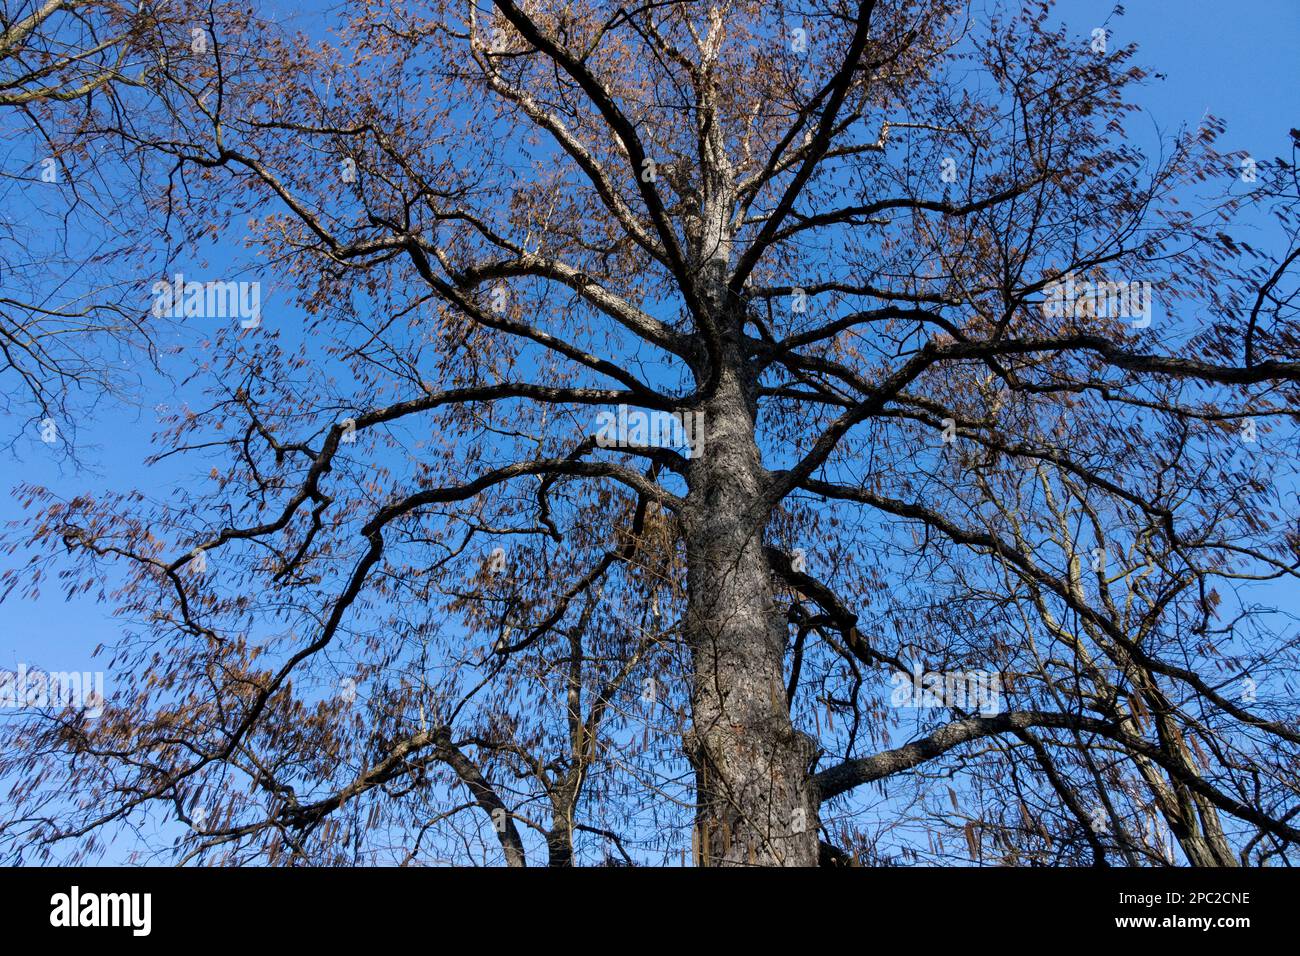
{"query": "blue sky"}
{"type": "Point", "coordinates": [1236, 61]}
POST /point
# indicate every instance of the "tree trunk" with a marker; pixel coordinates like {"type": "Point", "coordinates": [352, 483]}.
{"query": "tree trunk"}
{"type": "Point", "coordinates": [559, 838]}
{"type": "Point", "coordinates": [559, 845]}
{"type": "Point", "coordinates": [755, 802]}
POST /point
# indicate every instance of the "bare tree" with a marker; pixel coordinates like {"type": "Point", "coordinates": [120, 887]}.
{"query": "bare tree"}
{"type": "Point", "coordinates": [71, 331]}
{"type": "Point", "coordinates": [691, 395]}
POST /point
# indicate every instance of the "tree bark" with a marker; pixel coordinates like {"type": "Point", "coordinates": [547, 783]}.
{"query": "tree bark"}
{"type": "Point", "coordinates": [755, 803]}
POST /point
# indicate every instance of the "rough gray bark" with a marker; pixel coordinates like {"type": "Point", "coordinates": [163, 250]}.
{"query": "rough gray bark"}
{"type": "Point", "coordinates": [755, 802]}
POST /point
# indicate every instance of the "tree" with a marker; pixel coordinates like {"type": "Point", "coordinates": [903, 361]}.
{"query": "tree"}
{"type": "Point", "coordinates": [70, 333]}
{"type": "Point", "coordinates": [690, 394]}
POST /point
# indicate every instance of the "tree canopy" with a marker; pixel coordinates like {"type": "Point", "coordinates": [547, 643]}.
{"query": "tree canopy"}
{"type": "Point", "coordinates": [727, 433]}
